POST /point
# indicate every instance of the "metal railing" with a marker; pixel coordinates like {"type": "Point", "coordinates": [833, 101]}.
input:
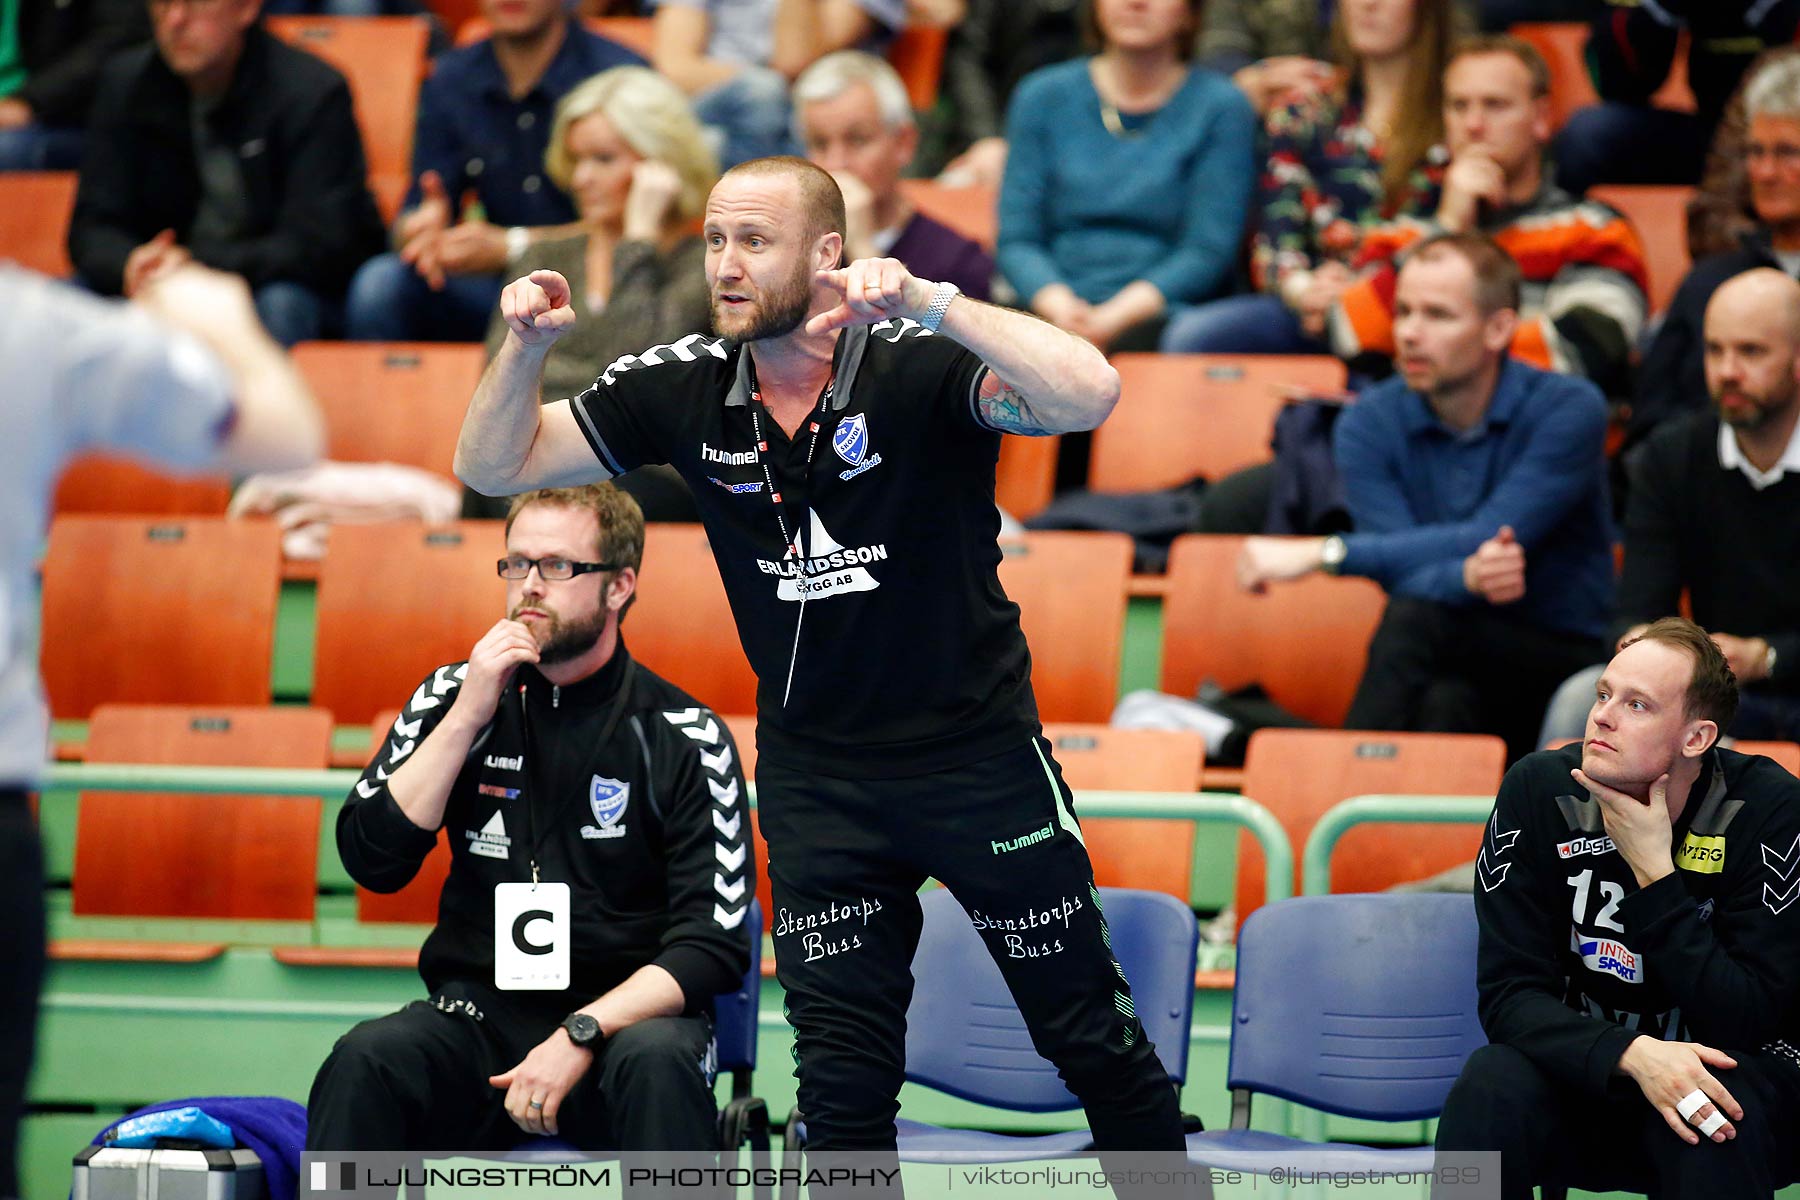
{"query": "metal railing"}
{"type": "Point", "coordinates": [1201, 807]}
{"type": "Point", "coordinates": [1214, 808]}
{"type": "Point", "coordinates": [260, 781]}
{"type": "Point", "coordinates": [1315, 870]}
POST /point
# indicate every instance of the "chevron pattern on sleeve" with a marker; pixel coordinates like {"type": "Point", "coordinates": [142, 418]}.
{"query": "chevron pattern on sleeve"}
{"type": "Point", "coordinates": [731, 837]}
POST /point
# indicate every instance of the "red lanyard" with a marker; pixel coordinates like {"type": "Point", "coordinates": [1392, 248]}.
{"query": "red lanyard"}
{"type": "Point", "coordinates": [789, 537]}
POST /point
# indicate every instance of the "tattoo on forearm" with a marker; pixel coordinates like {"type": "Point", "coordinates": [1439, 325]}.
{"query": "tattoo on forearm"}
{"type": "Point", "coordinates": [1005, 409]}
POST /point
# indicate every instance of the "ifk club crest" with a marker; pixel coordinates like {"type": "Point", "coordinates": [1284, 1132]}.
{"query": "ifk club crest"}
{"type": "Point", "coordinates": [607, 800]}
{"type": "Point", "coordinates": [851, 442]}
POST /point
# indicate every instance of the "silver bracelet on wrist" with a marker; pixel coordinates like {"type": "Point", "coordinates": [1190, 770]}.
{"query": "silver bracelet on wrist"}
{"type": "Point", "coordinates": [940, 304]}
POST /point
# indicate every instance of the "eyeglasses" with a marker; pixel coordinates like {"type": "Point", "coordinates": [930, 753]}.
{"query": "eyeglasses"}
{"type": "Point", "coordinates": [517, 566]}
{"type": "Point", "coordinates": [1786, 157]}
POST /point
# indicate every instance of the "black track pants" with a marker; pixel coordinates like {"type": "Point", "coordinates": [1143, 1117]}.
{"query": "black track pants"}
{"type": "Point", "coordinates": [418, 1080]}
{"type": "Point", "coordinates": [1001, 835]}
{"type": "Point", "coordinates": [1547, 1134]}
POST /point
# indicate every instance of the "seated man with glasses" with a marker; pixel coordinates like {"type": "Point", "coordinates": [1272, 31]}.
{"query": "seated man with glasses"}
{"type": "Point", "coordinates": [599, 874]}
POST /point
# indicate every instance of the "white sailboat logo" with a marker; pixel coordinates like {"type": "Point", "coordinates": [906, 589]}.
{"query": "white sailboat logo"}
{"type": "Point", "coordinates": [827, 579]}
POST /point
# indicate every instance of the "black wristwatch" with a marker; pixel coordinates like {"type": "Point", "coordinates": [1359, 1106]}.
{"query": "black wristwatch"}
{"type": "Point", "coordinates": [583, 1030]}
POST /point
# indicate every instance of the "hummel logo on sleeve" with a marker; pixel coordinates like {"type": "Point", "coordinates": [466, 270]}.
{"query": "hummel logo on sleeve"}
{"type": "Point", "coordinates": [686, 350]}
{"type": "Point", "coordinates": [1783, 867]}
{"type": "Point", "coordinates": [1490, 872]}
{"type": "Point", "coordinates": [1502, 839]}
{"type": "Point", "coordinates": [895, 328]}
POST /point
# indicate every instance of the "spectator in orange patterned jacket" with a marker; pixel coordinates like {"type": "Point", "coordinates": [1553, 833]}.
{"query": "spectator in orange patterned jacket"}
{"type": "Point", "coordinates": [1584, 300]}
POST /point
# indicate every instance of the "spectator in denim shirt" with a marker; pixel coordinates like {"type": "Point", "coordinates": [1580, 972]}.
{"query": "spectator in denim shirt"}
{"type": "Point", "coordinates": [484, 125]}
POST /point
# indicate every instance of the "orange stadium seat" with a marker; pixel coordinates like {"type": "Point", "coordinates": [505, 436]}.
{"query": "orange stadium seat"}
{"type": "Point", "coordinates": [1564, 47]}
{"type": "Point", "coordinates": [1025, 478]}
{"type": "Point", "coordinates": [918, 55]}
{"type": "Point", "coordinates": [396, 600]}
{"type": "Point", "coordinates": [1071, 593]}
{"type": "Point", "coordinates": [187, 855]}
{"type": "Point", "coordinates": [1660, 217]}
{"type": "Point", "coordinates": [972, 211]}
{"type": "Point", "coordinates": [400, 402]}
{"type": "Point", "coordinates": [102, 483]}
{"type": "Point", "coordinates": [1128, 852]}
{"type": "Point", "coordinates": [383, 58]}
{"type": "Point", "coordinates": [1183, 415]}
{"type": "Point", "coordinates": [743, 733]}
{"type": "Point", "coordinates": [152, 610]}
{"type": "Point", "coordinates": [454, 14]}
{"type": "Point", "coordinates": [1676, 93]}
{"type": "Point", "coordinates": [1305, 642]}
{"type": "Point", "coordinates": [1785, 753]}
{"type": "Point", "coordinates": [681, 626]}
{"type": "Point", "coordinates": [34, 219]}
{"type": "Point", "coordinates": [1298, 774]}
{"type": "Point", "coordinates": [417, 902]}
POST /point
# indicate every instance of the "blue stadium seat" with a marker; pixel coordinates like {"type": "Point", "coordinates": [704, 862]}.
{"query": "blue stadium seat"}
{"type": "Point", "coordinates": [1359, 1005]}
{"type": "Point", "coordinates": [746, 1117]}
{"type": "Point", "coordinates": [964, 1034]}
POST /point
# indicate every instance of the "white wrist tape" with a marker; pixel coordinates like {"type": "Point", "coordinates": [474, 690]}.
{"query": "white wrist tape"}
{"type": "Point", "coordinates": [1711, 1125]}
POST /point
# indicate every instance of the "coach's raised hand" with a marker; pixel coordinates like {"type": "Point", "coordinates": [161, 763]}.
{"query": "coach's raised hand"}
{"type": "Point", "coordinates": [511, 440]}
{"type": "Point", "coordinates": [873, 289]}
{"type": "Point", "coordinates": [537, 308]}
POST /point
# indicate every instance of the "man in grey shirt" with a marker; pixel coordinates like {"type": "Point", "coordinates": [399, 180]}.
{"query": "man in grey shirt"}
{"type": "Point", "coordinates": [203, 387]}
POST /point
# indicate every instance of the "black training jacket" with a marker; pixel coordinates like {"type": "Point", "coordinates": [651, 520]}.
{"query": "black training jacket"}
{"type": "Point", "coordinates": [621, 786]}
{"type": "Point", "coordinates": [1577, 960]}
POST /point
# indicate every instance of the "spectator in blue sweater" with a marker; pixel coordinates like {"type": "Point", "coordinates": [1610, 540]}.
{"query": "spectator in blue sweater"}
{"type": "Point", "coordinates": [483, 127]}
{"type": "Point", "coordinates": [1477, 488]}
{"type": "Point", "coordinates": [1128, 179]}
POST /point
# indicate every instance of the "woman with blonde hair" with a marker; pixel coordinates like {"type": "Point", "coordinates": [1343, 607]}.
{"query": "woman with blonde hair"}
{"type": "Point", "coordinates": [626, 148]}
{"type": "Point", "coordinates": [1361, 152]}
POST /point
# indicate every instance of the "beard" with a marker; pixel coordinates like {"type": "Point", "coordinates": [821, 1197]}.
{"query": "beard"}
{"type": "Point", "coordinates": [779, 311]}
{"type": "Point", "coordinates": [564, 640]}
{"type": "Point", "coordinates": [1755, 411]}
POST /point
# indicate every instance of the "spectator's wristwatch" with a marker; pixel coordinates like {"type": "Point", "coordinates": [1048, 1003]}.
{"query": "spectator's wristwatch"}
{"type": "Point", "coordinates": [584, 1031]}
{"type": "Point", "coordinates": [1331, 556]}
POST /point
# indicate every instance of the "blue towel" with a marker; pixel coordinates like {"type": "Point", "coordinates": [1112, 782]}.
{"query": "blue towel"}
{"type": "Point", "coordinates": [272, 1127]}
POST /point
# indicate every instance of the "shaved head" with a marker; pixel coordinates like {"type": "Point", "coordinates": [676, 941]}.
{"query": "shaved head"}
{"type": "Point", "coordinates": [1752, 350]}
{"type": "Point", "coordinates": [1765, 293]}
{"type": "Point", "coordinates": [821, 203]}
